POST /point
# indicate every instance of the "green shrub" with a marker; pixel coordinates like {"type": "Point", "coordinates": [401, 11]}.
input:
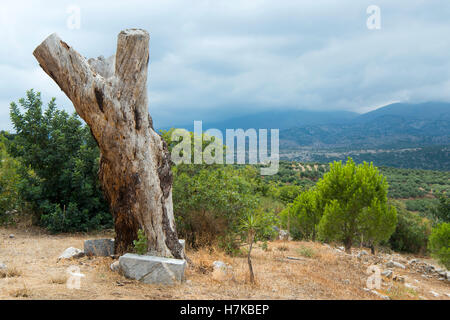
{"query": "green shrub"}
{"type": "Point", "coordinates": [140, 245]}
{"type": "Point", "coordinates": [306, 252]}
{"type": "Point", "coordinates": [439, 244]}
{"type": "Point", "coordinates": [62, 160]}
{"type": "Point", "coordinates": [9, 183]}
{"type": "Point", "coordinates": [411, 232]}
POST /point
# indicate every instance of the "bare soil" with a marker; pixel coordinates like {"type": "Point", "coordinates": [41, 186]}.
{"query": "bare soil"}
{"type": "Point", "coordinates": [317, 272]}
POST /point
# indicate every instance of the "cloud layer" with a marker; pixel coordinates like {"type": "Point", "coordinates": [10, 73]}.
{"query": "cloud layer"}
{"type": "Point", "coordinates": [218, 58]}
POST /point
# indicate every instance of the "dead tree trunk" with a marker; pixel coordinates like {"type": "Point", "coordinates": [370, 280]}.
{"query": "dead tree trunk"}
{"type": "Point", "coordinates": [111, 96]}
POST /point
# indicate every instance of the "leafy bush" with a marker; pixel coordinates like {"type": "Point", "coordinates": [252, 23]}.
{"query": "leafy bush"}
{"type": "Point", "coordinates": [443, 209]}
{"type": "Point", "coordinates": [411, 232]}
{"type": "Point", "coordinates": [9, 180]}
{"type": "Point", "coordinates": [210, 202]}
{"type": "Point", "coordinates": [61, 158]}
{"type": "Point", "coordinates": [306, 213]}
{"type": "Point", "coordinates": [306, 252]}
{"type": "Point", "coordinates": [140, 245]}
{"type": "Point", "coordinates": [439, 244]}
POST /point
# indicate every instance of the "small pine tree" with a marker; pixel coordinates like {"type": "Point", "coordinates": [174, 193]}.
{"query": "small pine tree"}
{"type": "Point", "coordinates": [355, 199]}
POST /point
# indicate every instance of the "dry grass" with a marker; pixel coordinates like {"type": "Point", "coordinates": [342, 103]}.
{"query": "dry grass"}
{"type": "Point", "coordinates": [58, 279]}
{"type": "Point", "coordinates": [400, 292]}
{"type": "Point", "coordinates": [10, 272]}
{"type": "Point", "coordinates": [319, 273]}
{"type": "Point", "coordinates": [23, 292]}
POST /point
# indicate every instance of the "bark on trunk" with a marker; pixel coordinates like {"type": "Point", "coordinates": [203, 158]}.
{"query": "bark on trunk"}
{"type": "Point", "coordinates": [372, 248]}
{"type": "Point", "coordinates": [111, 96]}
{"type": "Point", "coordinates": [348, 245]}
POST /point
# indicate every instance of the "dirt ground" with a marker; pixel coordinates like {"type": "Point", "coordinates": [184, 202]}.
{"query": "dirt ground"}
{"type": "Point", "coordinates": [320, 272]}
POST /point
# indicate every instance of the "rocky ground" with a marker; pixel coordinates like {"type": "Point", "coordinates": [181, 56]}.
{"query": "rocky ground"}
{"type": "Point", "coordinates": [30, 269]}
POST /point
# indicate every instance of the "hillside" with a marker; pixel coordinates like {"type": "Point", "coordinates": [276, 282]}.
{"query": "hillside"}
{"type": "Point", "coordinates": [427, 158]}
{"type": "Point", "coordinates": [278, 119]}
{"type": "Point", "coordinates": [393, 126]}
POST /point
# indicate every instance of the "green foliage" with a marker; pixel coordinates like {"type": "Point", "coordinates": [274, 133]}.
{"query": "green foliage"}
{"type": "Point", "coordinates": [210, 202]}
{"type": "Point", "coordinates": [355, 201]}
{"type": "Point", "coordinates": [414, 183]}
{"type": "Point", "coordinates": [258, 224]}
{"type": "Point", "coordinates": [264, 246]}
{"type": "Point", "coordinates": [403, 183]}
{"type": "Point", "coordinates": [411, 232]}
{"type": "Point", "coordinates": [442, 212]}
{"type": "Point", "coordinates": [288, 193]}
{"type": "Point", "coordinates": [306, 213]}
{"type": "Point", "coordinates": [61, 160]}
{"type": "Point", "coordinates": [9, 179]}
{"type": "Point", "coordinates": [306, 252]}
{"type": "Point", "coordinates": [140, 245]}
{"type": "Point", "coordinates": [426, 207]}
{"type": "Point", "coordinates": [255, 226]}
{"type": "Point", "coordinates": [439, 244]}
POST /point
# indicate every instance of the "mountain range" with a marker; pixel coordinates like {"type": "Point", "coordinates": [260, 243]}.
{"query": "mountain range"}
{"type": "Point", "coordinates": [397, 125]}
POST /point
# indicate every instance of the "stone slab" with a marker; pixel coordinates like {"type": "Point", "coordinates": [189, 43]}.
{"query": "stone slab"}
{"type": "Point", "coordinates": [152, 269]}
{"type": "Point", "coordinates": [99, 247]}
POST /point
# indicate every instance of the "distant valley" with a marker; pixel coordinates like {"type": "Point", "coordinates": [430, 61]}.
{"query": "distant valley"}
{"type": "Point", "coordinates": [400, 135]}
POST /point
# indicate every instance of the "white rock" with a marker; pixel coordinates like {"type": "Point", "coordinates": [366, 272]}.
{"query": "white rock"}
{"type": "Point", "coordinates": [2, 266]}
{"type": "Point", "coordinates": [71, 253]}
{"type": "Point", "coordinates": [115, 266]}
{"type": "Point", "coordinates": [152, 269]}
{"type": "Point", "coordinates": [222, 271]}
{"type": "Point", "coordinates": [434, 293]}
{"type": "Point", "coordinates": [382, 296]}
{"type": "Point", "coordinates": [11, 236]}
{"type": "Point", "coordinates": [387, 273]}
{"type": "Point", "coordinates": [392, 264]}
{"type": "Point", "coordinates": [362, 253]}
{"type": "Point", "coordinates": [283, 235]}
{"type": "Point", "coordinates": [410, 286]}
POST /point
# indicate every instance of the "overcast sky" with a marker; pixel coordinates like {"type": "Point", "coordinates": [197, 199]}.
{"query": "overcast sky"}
{"type": "Point", "coordinates": [217, 58]}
